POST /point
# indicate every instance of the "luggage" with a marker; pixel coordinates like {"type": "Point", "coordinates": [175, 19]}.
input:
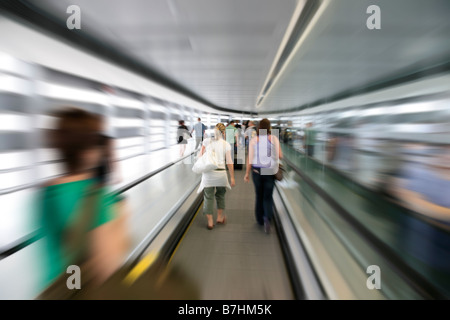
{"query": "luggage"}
{"type": "Point", "coordinates": [239, 163]}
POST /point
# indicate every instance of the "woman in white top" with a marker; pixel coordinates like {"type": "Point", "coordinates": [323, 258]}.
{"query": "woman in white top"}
{"type": "Point", "coordinates": [214, 183]}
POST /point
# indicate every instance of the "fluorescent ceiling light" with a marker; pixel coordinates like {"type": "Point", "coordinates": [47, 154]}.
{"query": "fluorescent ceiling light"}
{"type": "Point", "coordinates": [57, 91]}
{"type": "Point", "coordinates": [13, 65]}
{"type": "Point", "coordinates": [14, 84]}
{"type": "Point", "coordinates": [128, 103]}
{"type": "Point", "coordinates": [15, 122]}
{"type": "Point", "coordinates": [418, 107]}
{"type": "Point", "coordinates": [284, 56]}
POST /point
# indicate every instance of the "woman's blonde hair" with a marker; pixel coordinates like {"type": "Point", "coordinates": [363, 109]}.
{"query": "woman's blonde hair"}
{"type": "Point", "coordinates": [219, 130]}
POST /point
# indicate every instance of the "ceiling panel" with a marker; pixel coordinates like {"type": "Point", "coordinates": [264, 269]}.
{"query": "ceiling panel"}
{"type": "Point", "coordinates": [222, 50]}
{"type": "Point", "coordinates": [341, 53]}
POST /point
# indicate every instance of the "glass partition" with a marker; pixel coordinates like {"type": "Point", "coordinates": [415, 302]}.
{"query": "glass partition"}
{"type": "Point", "coordinates": [402, 240]}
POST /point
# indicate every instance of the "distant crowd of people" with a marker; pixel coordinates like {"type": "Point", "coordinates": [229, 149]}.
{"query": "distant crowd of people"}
{"type": "Point", "coordinates": [258, 143]}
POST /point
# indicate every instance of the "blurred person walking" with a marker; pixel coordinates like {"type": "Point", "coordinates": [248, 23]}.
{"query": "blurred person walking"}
{"type": "Point", "coordinates": [108, 171]}
{"type": "Point", "coordinates": [239, 158]}
{"type": "Point", "coordinates": [79, 221]}
{"type": "Point", "coordinates": [240, 135]}
{"type": "Point", "coordinates": [214, 183]}
{"type": "Point", "coordinates": [309, 139]}
{"type": "Point", "coordinates": [245, 125]}
{"type": "Point", "coordinates": [424, 187]}
{"type": "Point", "coordinates": [183, 136]}
{"type": "Point", "coordinates": [250, 132]}
{"type": "Point", "coordinates": [231, 135]}
{"type": "Point", "coordinates": [264, 153]}
{"type": "Point", "coordinates": [199, 129]}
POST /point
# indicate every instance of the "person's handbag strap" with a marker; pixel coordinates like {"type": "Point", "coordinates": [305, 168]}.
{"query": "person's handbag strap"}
{"type": "Point", "coordinates": [74, 235]}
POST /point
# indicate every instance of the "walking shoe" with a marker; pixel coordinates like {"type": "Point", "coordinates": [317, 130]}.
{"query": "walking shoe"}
{"type": "Point", "coordinates": [224, 220]}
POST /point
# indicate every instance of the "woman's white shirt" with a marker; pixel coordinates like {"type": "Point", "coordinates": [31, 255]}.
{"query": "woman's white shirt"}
{"type": "Point", "coordinates": [216, 178]}
{"type": "Point", "coordinates": [219, 149]}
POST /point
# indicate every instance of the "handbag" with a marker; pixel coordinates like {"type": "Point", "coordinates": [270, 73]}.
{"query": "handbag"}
{"type": "Point", "coordinates": [205, 163]}
{"type": "Point", "coordinates": [279, 174]}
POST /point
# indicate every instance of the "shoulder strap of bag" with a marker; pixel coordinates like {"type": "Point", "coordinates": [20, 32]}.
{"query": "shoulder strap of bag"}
{"type": "Point", "coordinates": [74, 236]}
{"type": "Point", "coordinates": [211, 147]}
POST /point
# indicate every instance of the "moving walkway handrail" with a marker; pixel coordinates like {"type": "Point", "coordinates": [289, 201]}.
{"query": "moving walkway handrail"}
{"type": "Point", "coordinates": [414, 279]}
{"type": "Point", "coordinates": [32, 237]}
{"type": "Point", "coordinates": [366, 188]}
{"type": "Point", "coordinates": [149, 175]}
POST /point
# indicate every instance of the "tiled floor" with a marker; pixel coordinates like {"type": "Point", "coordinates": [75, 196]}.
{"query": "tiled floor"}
{"type": "Point", "coordinates": [237, 260]}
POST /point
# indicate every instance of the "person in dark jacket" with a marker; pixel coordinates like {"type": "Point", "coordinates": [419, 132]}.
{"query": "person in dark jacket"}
{"type": "Point", "coordinates": [183, 135]}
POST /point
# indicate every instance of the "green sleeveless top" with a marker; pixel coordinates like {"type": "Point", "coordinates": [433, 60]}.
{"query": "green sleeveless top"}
{"type": "Point", "coordinates": [58, 206]}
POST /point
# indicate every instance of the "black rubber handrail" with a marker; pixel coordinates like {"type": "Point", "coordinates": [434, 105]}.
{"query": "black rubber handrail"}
{"type": "Point", "coordinates": [414, 279]}
{"type": "Point", "coordinates": [151, 174]}
{"type": "Point", "coordinates": [367, 189]}
{"type": "Point", "coordinates": [34, 185]}
{"type": "Point", "coordinates": [20, 244]}
{"type": "Point", "coordinates": [296, 279]}
{"type": "Point", "coordinates": [36, 235]}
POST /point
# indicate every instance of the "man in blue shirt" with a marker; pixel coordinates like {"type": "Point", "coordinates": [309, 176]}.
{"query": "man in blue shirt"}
{"type": "Point", "coordinates": [199, 129]}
